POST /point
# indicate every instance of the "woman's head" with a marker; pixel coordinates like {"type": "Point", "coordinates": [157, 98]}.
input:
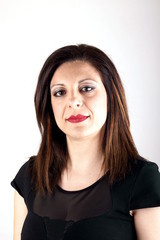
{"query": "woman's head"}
{"type": "Point", "coordinates": [116, 104]}
{"type": "Point", "coordinates": [117, 140]}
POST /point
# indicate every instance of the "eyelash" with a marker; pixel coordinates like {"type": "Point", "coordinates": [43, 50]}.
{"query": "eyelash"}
{"type": "Point", "coordinates": [85, 89]}
{"type": "Point", "coordinates": [55, 94]}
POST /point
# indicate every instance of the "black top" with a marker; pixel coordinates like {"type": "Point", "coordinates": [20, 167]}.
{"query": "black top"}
{"type": "Point", "coordinates": [98, 212]}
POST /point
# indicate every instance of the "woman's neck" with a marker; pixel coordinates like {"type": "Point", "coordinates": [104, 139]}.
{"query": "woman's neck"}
{"type": "Point", "coordinates": [85, 154]}
{"type": "Point", "coordinates": [84, 164]}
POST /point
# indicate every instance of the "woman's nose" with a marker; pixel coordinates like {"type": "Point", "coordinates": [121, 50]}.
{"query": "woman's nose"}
{"type": "Point", "coordinates": [75, 102]}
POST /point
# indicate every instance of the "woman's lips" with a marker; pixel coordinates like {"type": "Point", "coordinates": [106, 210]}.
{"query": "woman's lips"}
{"type": "Point", "coordinates": [76, 119]}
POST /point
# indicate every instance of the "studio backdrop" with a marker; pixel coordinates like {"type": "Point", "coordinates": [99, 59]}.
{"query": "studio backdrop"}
{"type": "Point", "coordinates": [128, 31]}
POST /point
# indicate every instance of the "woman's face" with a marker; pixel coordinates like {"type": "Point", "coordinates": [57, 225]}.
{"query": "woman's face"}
{"type": "Point", "coordinates": [79, 99]}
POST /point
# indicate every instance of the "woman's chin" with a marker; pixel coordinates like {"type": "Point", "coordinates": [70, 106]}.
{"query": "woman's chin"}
{"type": "Point", "coordinates": [82, 135]}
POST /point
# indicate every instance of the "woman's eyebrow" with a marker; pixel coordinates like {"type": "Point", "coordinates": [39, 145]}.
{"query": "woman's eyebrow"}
{"type": "Point", "coordinates": [80, 81]}
{"type": "Point", "coordinates": [57, 84]}
{"type": "Point", "coordinates": [87, 79]}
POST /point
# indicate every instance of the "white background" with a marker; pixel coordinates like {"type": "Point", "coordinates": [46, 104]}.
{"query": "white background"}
{"type": "Point", "coordinates": [127, 30]}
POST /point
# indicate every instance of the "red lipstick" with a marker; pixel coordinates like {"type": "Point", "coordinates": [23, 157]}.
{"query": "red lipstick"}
{"type": "Point", "coordinates": [76, 119]}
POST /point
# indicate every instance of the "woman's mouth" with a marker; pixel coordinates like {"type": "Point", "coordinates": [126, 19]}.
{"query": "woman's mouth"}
{"type": "Point", "coordinates": [76, 119]}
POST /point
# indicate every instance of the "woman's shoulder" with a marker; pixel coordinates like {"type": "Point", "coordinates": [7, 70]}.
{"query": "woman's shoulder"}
{"type": "Point", "coordinates": [141, 164]}
{"type": "Point", "coordinates": [26, 169]}
{"type": "Point", "coordinates": [22, 182]}
{"type": "Point", "coordinates": [141, 186]}
{"type": "Point", "coordinates": [146, 182]}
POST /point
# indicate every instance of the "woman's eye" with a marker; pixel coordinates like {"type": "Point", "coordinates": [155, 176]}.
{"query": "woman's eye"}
{"type": "Point", "coordinates": [59, 93]}
{"type": "Point", "coordinates": [87, 89]}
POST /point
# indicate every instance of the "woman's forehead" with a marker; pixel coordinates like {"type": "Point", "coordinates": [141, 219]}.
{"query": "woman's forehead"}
{"type": "Point", "coordinates": [80, 68]}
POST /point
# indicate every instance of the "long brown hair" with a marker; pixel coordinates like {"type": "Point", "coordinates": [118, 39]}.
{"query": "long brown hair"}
{"type": "Point", "coordinates": [118, 144]}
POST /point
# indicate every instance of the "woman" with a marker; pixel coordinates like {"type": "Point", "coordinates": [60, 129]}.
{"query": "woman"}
{"type": "Point", "coordinates": [87, 180]}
